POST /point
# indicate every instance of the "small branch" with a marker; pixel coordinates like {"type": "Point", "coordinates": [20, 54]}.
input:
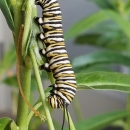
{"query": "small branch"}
{"type": "Point", "coordinates": [50, 76]}
{"type": "Point", "coordinates": [76, 106]}
{"type": "Point", "coordinates": [27, 24]}
{"type": "Point", "coordinates": [31, 113]}
{"type": "Point", "coordinates": [41, 91]}
{"type": "Point", "coordinates": [128, 108]}
{"type": "Point", "coordinates": [72, 127]}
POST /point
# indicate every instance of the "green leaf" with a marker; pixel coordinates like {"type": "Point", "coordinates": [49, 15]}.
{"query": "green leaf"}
{"type": "Point", "coordinates": [93, 68]}
{"type": "Point", "coordinates": [6, 9]}
{"type": "Point", "coordinates": [127, 5]}
{"type": "Point", "coordinates": [104, 81]}
{"type": "Point", "coordinates": [35, 44]}
{"type": "Point", "coordinates": [106, 26]}
{"type": "Point", "coordinates": [86, 23]}
{"type": "Point", "coordinates": [89, 38]}
{"type": "Point", "coordinates": [8, 60]}
{"type": "Point", "coordinates": [105, 4]}
{"type": "Point", "coordinates": [92, 20]}
{"type": "Point", "coordinates": [13, 126]}
{"type": "Point", "coordinates": [106, 35]}
{"type": "Point", "coordinates": [102, 40]}
{"type": "Point", "coordinates": [101, 121]}
{"type": "Point", "coordinates": [4, 122]}
{"type": "Point", "coordinates": [102, 57]}
{"type": "Point", "coordinates": [7, 124]}
{"type": "Point", "coordinates": [122, 22]}
{"type": "Point", "coordinates": [56, 125]}
{"type": "Point", "coordinates": [12, 82]}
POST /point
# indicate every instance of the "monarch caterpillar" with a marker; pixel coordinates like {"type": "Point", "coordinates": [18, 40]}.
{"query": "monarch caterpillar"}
{"type": "Point", "coordinates": [64, 89]}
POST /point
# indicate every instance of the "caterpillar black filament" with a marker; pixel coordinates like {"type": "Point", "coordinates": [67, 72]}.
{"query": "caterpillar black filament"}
{"type": "Point", "coordinates": [64, 89]}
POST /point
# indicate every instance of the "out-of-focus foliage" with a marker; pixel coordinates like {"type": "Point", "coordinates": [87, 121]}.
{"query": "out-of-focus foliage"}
{"type": "Point", "coordinates": [7, 10]}
{"type": "Point", "coordinates": [7, 124]}
{"type": "Point", "coordinates": [108, 29]}
{"type": "Point", "coordinates": [8, 60]}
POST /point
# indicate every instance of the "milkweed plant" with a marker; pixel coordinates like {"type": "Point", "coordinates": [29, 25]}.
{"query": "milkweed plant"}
{"type": "Point", "coordinates": [113, 35]}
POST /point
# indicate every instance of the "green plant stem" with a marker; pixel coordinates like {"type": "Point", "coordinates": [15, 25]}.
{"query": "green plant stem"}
{"type": "Point", "coordinates": [128, 108]}
{"type": "Point", "coordinates": [50, 75]}
{"type": "Point", "coordinates": [22, 112]}
{"type": "Point", "coordinates": [27, 24]}
{"type": "Point", "coordinates": [76, 106]}
{"type": "Point", "coordinates": [31, 113]}
{"type": "Point", "coordinates": [72, 127]}
{"type": "Point", "coordinates": [37, 105]}
{"type": "Point", "coordinates": [18, 18]}
{"type": "Point", "coordinates": [14, 102]}
{"type": "Point", "coordinates": [127, 4]}
{"type": "Point", "coordinates": [128, 95]}
{"type": "Point", "coordinates": [25, 71]}
{"type": "Point", "coordinates": [41, 91]}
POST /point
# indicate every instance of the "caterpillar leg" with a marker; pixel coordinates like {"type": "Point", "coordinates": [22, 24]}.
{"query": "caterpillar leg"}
{"type": "Point", "coordinates": [39, 20]}
{"type": "Point", "coordinates": [41, 36]}
{"type": "Point", "coordinates": [43, 52]}
{"type": "Point", "coordinates": [37, 2]}
{"type": "Point", "coordinates": [52, 85]}
{"type": "Point", "coordinates": [45, 67]}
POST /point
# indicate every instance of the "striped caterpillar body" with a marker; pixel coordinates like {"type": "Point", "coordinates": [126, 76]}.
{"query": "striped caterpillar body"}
{"type": "Point", "coordinates": [64, 89]}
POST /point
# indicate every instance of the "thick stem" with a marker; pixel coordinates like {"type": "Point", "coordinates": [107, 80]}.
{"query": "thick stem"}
{"type": "Point", "coordinates": [22, 106]}
{"type": "Point", "coordinates": [14, 102]}
{"type": "Point", "coordinates": [24, 78]}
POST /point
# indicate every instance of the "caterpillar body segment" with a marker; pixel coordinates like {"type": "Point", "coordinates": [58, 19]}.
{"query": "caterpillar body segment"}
{"type": "Point", "coordinates": [64, 89]}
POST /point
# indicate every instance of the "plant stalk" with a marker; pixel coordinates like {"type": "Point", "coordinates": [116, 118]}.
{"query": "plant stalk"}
{"type": "Point", "coordinates": [31, 113]}
{"type": "Point", "coordinates": [128, 95]}
{"type": "Point", "coordinates": [41, 91]}
{"type": "Point", "coordinates": [128, 108]}
{"type": "Point", "coordinates": [18, 18]}
{"type": "Point", "coordinates": [28, 20]}
{"type": "Point", "coordinates": [77, 111]}
{"type": "Point", "coordinates": [72, 127]}
{"type": "Point", "coordinates": [22, 112]}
